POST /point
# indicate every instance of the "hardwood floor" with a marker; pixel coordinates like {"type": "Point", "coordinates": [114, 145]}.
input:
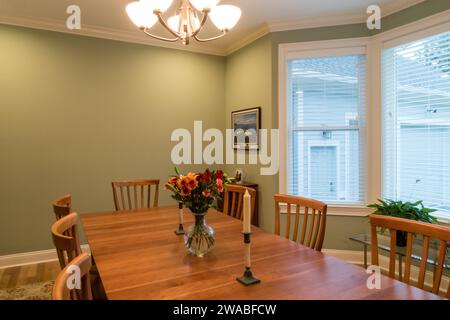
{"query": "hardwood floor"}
{"type": "Point", "coordinates": [29, 274]}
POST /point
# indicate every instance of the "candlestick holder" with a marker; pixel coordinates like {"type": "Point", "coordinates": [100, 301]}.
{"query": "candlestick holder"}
{"type": "Point", "coordinates": [248, 279]}
{"type": "Point", "coordinates": [180, 230]}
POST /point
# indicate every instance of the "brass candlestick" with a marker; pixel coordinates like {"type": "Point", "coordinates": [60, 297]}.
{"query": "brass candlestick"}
{"type": "Point", "coordinates": [180, 230]}
{"type": "Point", "coordinates": [248, 279]}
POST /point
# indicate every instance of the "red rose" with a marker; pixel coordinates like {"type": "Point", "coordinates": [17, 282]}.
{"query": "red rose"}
{"type": "Point", "coordinates": [207, 193]}
{"type": "Point", "coordinates": [220, 175]}
{"type": "Point", "coordinates": [206, 177]}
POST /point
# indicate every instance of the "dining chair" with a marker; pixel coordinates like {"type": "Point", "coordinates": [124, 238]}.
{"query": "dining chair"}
{"type": "Point", "coordinates": [61, 290]}
{"type": "Point", "coordinates": [135, 194]}
{"type": "Point", "coordinates": [233, 201]}
{"type": "Point", "coordinates": [314, 219]}
{"type": "Point", "coordinates": [67, 243]}
{"type": "Point", "coordinates": [62, 206]}
{"type": "Point", "coordinates": [413, 228]}
{"type": "Point", "coordinates": [66, 239]}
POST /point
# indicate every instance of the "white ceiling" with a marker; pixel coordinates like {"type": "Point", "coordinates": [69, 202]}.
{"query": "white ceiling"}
{"type": "Point", "coordinates": [107, 18]}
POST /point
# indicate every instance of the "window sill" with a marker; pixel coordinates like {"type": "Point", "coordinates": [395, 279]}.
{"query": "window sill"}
{"type": "Point", "coordinates": [442, 219]}
{"type": "Point", "coordinates": [338, 210]}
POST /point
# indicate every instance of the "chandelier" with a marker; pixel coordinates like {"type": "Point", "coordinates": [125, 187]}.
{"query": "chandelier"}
{"type": "Point", "coordinates": [188, 21]}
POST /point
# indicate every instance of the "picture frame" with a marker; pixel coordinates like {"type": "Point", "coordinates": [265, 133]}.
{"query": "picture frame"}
{"type": "Point", "coordinates": [246, 124]}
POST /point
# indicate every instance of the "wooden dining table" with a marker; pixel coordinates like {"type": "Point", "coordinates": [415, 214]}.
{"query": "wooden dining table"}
{"type": "Point", "coordinates": [139, 257]}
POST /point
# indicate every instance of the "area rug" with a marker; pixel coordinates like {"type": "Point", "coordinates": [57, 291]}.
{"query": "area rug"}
{"type": "Point", "coordinates": [37, 291]}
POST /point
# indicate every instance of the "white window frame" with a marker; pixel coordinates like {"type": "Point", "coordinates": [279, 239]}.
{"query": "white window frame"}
{"type": "Point", "coordinates": [317, 49]}
{"type": "Point", "coordinates": [374, 46]}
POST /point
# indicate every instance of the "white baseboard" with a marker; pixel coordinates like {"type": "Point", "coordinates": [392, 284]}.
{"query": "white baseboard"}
{"type": "Point", "coordinates": [27, 258]}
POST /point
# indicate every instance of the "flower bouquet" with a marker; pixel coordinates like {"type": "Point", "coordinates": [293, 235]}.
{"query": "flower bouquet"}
{"type": "Point", "coordinates": [198, 192]}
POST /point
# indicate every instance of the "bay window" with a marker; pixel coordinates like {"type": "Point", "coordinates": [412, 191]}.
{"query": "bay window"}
{"type": "Point", "coordinates": [416, 122]}
{"type": "Point", "coordinates": [368, 118]}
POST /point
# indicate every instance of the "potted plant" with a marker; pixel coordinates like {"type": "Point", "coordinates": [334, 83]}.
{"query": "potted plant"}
{"type": "Point", "coordinates": [198, 192]}
{"type": "Point", "coordinates": [407, 210]}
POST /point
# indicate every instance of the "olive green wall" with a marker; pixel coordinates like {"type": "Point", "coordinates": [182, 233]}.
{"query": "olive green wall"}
{"type": "Point", "coordinates": [251, 90]}
{"type": "Point", "coordinates": [77, 112]}
{"type": "Point", "coordinates": [414, 13]}
{"type": "Point", "coordinates": [248, 85]}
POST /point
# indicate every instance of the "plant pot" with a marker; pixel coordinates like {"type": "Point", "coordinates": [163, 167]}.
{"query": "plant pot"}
{"type": "Point", "coordinates": [401, 238]}
{"type": "Point", "coordinates": [200, 238]}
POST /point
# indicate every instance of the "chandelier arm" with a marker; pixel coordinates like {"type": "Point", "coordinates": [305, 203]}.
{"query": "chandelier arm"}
{"type": "Point", "coordinates": [165, 25]}
{"type": "Point", "coordinates": [224, 32]}
{"type": "Point", "coordinates": [158, 37]}
{"type": "Point", "coordinates": [202, 23]}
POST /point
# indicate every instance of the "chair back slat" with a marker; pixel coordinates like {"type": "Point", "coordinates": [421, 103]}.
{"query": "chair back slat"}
{"type": "Point", "coordinates": [311, 226]}
{"type": "Point", "coordinates": [65, 238]}
{"type": "Point", "coordinates": [130, 204]}
{"type": "Point", "coordinates": [408, 260]}
{"type": "Point", "coordinates": [240, 205]}
{"type": "Point", "coordinates": [317, 227]}
{"type": "Point", "coordinates": [135, 195]}
{"type": "Point", "coordinates": [314, 220]}
{"type": "Point", "coordinates": [440, 266]}
{"type": "Point", "coordinates": [123, 200]}
{"type": "Point", "coordinates": [126, 194]}
{"type": "Point", "coordinates": [62, 206]}
{"type": "Point", "coordinates": [233, 202]}
{"type": "Point", "coordinates": [392, 254]}
{"type": "Point", "coordinates": [277, 220]}
{"type": "Point", "coordinates": [60, 289]}
{"type": "Point", "coordinates": [288, 222]}
{"type": "Point", "coordinates": [296, 223]}
{"type": "Point", "coordinates": [423, 262]}
{"type": "Point", "coordinates": [412, 228]}
{"type": "Point", "coordinates": [233, 205]}
{"type": "Point", "coordinates": [305, 224]}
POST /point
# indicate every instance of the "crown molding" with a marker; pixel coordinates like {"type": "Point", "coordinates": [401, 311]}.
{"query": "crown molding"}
{"type": "Point", "coordinates": [107, 33]}
{"type": "Point", "coordinates": [252, 37]}
{"type": "Point", "coordinates": [140, 38]}
{"type": "Point", "coordinates": [328, 21]}
{"type": "Point", "coordinates": [309, 23]}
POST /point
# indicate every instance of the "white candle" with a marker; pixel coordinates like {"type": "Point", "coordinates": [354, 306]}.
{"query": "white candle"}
{"type": "Point", "coordinates": [247, 215]}
{"type": "Point", "coordinates": [181, 213]}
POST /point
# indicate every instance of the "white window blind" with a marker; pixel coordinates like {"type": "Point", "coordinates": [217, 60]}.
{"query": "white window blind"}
{"type": "Point", "coordinates": [416, 122]}
{"type": "Point", "coordinates": [325, 119]}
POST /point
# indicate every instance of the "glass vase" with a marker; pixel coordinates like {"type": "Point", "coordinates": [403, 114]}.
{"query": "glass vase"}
{"type": "Point", "coordinates": [200, 238]}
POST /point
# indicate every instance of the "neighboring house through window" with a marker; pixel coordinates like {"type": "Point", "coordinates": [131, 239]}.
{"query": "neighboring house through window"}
{"type": "Point", "coordinates": [325, 116]}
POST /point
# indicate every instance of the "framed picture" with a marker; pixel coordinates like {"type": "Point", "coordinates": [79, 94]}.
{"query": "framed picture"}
{"type": "Point", "coordinates": [246, 124]}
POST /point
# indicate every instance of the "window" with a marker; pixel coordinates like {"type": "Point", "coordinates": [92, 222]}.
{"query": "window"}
{"type": "Point", "coordinates": [325, 121]}
{"type": "Point", "coordinates": [416, 122]}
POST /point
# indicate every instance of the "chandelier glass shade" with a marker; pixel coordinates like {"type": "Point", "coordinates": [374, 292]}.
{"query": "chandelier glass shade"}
{"type": "Point", "coordinates": [189, 19]}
